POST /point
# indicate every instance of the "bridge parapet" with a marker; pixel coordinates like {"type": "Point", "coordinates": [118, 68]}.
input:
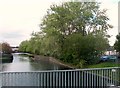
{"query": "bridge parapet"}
{"type": "Point", "coordinates": [98, 77]}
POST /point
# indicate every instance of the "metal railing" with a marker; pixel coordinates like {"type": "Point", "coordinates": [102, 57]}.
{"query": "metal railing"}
{"type": "Point", "coordinates": [64, 78]}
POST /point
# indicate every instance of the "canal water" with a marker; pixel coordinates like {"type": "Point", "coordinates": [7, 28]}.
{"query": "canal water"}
{"type": "Point", "coordinates": [22, 63]}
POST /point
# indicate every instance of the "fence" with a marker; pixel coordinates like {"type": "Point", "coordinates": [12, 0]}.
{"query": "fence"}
{"type": "Point", "coordinates": [64, 78]}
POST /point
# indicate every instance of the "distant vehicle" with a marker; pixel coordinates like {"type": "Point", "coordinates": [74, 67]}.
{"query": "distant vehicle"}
{"type": "Point", "coordinates": [108, 57]}
{"type": "Point", "coordinates": [113, 57]}
{"type": "Point", "coordinates": [104, 58]}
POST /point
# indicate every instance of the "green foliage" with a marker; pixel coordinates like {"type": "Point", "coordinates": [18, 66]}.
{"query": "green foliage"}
{"type": "Point", "coordinates": [81, 63]}
{"type": "Point", "coordinates": [117, 43]}
{"type": "Point", "coordinates": [86, 47]}
{"type": "Point", "coordinates": [23, 46]}
{"type": "Point", "coordinates": [72, 32]}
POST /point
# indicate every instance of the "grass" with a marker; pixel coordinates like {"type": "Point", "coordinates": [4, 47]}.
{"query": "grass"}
{"type": "Point", "coordinates": [104, 64]}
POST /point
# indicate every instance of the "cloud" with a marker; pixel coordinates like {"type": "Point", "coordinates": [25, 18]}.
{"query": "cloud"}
{"type": "Point", "coordinates": [13, 35]}
{"type": "Point", "coordinates": [20, 17]}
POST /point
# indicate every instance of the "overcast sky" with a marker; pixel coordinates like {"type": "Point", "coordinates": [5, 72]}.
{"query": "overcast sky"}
{"type": "Point", "coordinates": [19, 18]}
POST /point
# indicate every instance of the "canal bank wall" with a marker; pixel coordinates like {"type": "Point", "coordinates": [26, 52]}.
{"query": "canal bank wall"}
{"type": "Point", "coordinates": [51, 59]}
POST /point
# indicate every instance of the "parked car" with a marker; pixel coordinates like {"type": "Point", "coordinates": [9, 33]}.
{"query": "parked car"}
{"type": "Point", "coordinates": [113, 57]}
{"type": "Point", "coordinates": [104, 58]}
{"type": "Point", "coordinates": [108, 57]}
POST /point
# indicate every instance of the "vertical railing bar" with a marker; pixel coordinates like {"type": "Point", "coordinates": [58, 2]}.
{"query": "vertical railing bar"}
{"type": "Point", "coordinates": [11, 83]}
{"type": "Point", "coordinates": [82, 80]}
{"type": "Point", "coordinates": [48, 79]}
{"type": "Point", "coordinates": [12, 80]}
{"type": "Point", "coordinates": [41, 79]}
{"type": "Point", "coordinates": [102, 77]}
{"type": "Point", "coordinates": [59, 79]}
{"type": "Point", "coordinates": [71, 79]}
{"type": "Point", "coordinates": [97, 78]}
{"type": "Point", "coordinates": [33, 75]}
{"type": "Point", "coordinates": [9, 79]}
{"type": "Point", "coordinates": [93, 78]}
{"type": "Point", "coordinates": [68, 79]}
{"type": "Point", "coordinates": [62, 79]}
{"type": "Point", "coordinates": [87, 79]}
{"type": "Point", "coordinates": [3, 80]}
{"type": "Point", "coordinates": [79, 79]}
{"type": "Point", "coordinates": [45, 79]}
{"type": "Point", "coordinates": [107, 75]}
{"type": "Point", "coordinates": [118, 76]}
{"type": "Point", "coordinates": [54, 79]}
{"type": "Point", "coordinates": [95, 73]}
{"type": "Point", "coordinates": [38, 79]}
{"type": "Point", "coordinates": [114, 76]}
{"type": "Point", "coordinates": [65, 79]}
{"type": "Point", "coordinates": [104, 72]}
{"type": "Point", "coordinates": [76, 78]}
{"type": "Point", "coordinates": [111, 77]}
{"type": "Point", "coordinates": [90, 79]}
{"type": "Point", "coordinates": [51, 80]}
{"type": "Point", "coordinates": [16, 79]}
{"type": "Point", "coordinates": [2, 76]}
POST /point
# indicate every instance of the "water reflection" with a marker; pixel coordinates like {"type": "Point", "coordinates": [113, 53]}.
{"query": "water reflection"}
{"type": "Point", "coordinates": [23, 63]}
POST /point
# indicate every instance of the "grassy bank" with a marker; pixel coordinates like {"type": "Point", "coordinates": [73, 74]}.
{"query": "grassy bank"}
{"type": "Point", "coordinates": [104, 64]}
{"type": "Point", "coordinates": [72, 65]}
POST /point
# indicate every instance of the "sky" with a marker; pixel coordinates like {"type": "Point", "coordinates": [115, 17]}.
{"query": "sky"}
{"type": "Point", "coordinates": [19, 18]}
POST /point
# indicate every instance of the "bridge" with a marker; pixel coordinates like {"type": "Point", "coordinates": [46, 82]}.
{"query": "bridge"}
{"type": "Point", "coordinates": [15, 49]}
{"type": "Point", "coordinates": [78, 78]}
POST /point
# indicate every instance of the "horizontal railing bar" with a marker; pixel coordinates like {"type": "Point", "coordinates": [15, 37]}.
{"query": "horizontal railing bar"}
{"type": "Point", "coordinates": [63, 70]}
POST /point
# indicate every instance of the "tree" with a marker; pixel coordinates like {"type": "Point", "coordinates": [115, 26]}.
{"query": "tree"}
{"type": "Point", "coordinates": [74, 32]}
{"type": "Point", "coordinates": [6, 48]}
{"type": "Point", "coordinates": [81, 23]}
{"type": "Point", "coordinates": [23, 46]}
{"type": "Point", "coordinates": [88, 48]}
{"type": "Point", "coordinates": [72, 17]}
{"type": "Point", "coordinates": [117, 43]}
